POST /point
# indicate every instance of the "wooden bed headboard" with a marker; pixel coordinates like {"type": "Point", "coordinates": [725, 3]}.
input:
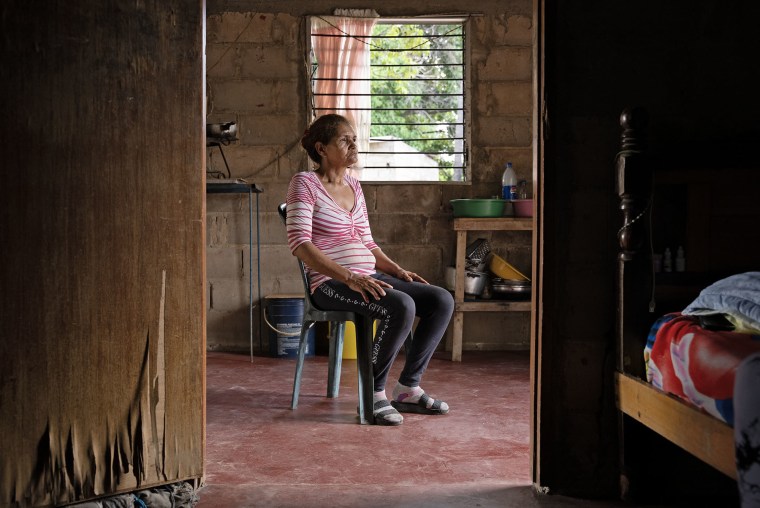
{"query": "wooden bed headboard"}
{"type": "Point", "coordinates": [708, 205]}
{"type": "Point", "coordinates": [634, 275]}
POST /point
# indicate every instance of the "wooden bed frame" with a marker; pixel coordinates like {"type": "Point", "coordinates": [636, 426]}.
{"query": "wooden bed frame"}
{"type": "Point", "coordinates": [702, 435]}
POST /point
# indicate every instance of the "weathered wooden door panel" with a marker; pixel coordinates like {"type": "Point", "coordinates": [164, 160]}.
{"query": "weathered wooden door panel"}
{"type": "Point", "coordinates": [102, 323]}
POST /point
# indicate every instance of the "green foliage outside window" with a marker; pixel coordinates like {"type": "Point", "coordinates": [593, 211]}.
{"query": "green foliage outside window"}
{"type": "Point", "coordinates": [419, 97]}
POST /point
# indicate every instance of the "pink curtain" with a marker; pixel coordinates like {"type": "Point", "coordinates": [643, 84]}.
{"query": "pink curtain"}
{"type": "Point", "coordinates": [343, 58]}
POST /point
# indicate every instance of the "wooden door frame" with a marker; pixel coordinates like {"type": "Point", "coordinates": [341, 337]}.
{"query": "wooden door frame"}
{"type": "Point", "coordinates": [536, 328]}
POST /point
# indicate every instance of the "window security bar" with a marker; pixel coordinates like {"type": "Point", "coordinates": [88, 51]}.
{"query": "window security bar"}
{"type": "Point", "coordinates": [389, 94]}
{"type": "Point", "coordinates": [389, 109]}
{"type": "Point", "coordinates": [419, 124]}
{"type": "Point", "coordinates": [408, 168]}
{"type": "Point", "coordinates": [414, 153]}
{"type": "Point", "coordinates": [446, 138]}
{"type": "Point", "coordinates": [368, 37]}
{"type": "Point", "coordinates": [386, 79]}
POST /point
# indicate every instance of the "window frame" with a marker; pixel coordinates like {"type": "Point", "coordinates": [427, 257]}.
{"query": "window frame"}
{"type": "Point", "coordinates": [466, 89]}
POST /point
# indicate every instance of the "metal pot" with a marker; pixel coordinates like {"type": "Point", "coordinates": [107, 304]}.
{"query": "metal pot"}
{"type": "Point", "coordinates": [474, 282]}
{"type": "Point", "coordinates": [511, 288]}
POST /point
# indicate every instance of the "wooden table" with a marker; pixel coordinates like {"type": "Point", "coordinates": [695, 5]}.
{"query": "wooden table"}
{"type": "Point", "coordinates": [462, 226]}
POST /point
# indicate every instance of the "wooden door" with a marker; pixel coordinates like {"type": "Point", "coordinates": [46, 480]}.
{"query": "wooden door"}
{"type": "Point", "coordinates": [102, 261]}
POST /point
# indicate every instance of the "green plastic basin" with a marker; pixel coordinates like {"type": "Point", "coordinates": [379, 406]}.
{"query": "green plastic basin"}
{"type": "Point", "coordinates": [478, 207]}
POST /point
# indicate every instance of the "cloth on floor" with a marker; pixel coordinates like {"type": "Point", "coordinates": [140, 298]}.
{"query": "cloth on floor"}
{"type": "Point", "coordinates": [175, 495]}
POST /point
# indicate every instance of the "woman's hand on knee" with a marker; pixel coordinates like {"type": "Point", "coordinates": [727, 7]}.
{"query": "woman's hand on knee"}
{"type": "Point", "coordinates": [367, 286]}
{"type": "Point", "coordinates": [409, 276]}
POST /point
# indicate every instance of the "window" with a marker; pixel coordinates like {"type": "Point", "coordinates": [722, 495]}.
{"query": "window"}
{"type": "Point", "coordinates": [402, 84]}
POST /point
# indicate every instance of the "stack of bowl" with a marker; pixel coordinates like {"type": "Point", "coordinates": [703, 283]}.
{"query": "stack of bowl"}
{"type": "Point", "coordinates": [508, 282]}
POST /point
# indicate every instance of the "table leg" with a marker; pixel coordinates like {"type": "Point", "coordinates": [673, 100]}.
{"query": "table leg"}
{"type": "Point", "coordinates": [258, 276]}
{"type": "Point", "coordinates": [456, 345]}
{"type": "Point", "coordinates": [250, 269]}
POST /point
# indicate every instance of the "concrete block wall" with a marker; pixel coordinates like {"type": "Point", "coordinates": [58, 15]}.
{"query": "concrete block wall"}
{"type": "Point", "coordinates": [257, 77]}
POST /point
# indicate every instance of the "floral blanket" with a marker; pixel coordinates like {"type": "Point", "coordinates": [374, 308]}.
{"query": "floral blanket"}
{"type": "Point", "coordinates": [696, 364]}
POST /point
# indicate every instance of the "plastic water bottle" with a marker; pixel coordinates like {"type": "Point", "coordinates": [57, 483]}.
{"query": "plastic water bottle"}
{"type": "Point", "coordinates": [509, 183]}
{"type": "Point", "coordinates": [680, 260]}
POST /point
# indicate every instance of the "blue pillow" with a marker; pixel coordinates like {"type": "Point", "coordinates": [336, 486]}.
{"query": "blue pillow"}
{"type": "Point", "coordinates": [737, 296]}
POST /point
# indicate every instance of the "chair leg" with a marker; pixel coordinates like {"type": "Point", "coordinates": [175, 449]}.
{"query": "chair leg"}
{"type": "Point", "coordinates": [337, 332]}
{"type": "Point", "coordinates": [364, 336]}
{"type": "Point", "coordinates": [299, 363]}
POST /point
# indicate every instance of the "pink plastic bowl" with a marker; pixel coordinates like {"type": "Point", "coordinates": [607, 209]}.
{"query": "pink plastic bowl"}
{"type": "Point", "coordinates": [523, 207]}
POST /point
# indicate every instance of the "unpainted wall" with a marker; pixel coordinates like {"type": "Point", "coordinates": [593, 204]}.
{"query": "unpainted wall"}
{"type": "Point", "coordinates": [257, 76]}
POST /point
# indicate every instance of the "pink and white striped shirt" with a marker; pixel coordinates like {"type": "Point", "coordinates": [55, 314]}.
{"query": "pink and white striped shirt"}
{"type": "Point", "coordinates": [314, 216]}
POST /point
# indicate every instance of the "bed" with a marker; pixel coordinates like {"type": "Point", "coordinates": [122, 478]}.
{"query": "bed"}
{"type": "Point", "coordinates": [681, 412]}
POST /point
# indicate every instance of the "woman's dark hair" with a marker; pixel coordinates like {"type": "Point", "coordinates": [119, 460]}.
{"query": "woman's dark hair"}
{"type": "Point", "coordinates": [322, 130]}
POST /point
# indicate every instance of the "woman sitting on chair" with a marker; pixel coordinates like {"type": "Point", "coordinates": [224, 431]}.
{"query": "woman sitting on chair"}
{"type": "Point", "coordinates": [328, 230]}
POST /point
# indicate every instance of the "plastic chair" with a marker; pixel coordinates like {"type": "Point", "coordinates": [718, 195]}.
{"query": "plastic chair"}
{"type": "Point", "coordinates": [364, 336]}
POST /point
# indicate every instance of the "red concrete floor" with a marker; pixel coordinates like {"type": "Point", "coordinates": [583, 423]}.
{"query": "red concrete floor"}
{"type": "Point", "coordinates": [260, 453]}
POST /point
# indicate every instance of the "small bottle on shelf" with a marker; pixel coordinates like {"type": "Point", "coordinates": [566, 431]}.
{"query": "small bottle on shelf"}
{"type": "Point", "coordinates": [680, 260]}
{"type": "Point", "coordinates": [522, 189]}
{"type": "Point", "coordinates": [509, 183]}
{"type": "Point", "coordinates": [667, 260]}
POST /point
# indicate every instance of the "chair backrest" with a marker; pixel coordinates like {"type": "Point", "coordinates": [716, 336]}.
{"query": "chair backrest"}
{"type": "Point", "coordinates": [282, 209]}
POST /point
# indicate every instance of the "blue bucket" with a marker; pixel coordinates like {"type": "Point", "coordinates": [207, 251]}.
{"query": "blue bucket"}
{"type": "Point", "coordinates": [285, 314]}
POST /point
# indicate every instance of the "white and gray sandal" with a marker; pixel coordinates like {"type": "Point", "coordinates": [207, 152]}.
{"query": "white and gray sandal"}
{"type": "Point", "coordinates": [426, 405]}
{"type": "Point", "coordinates": [386, 414]}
